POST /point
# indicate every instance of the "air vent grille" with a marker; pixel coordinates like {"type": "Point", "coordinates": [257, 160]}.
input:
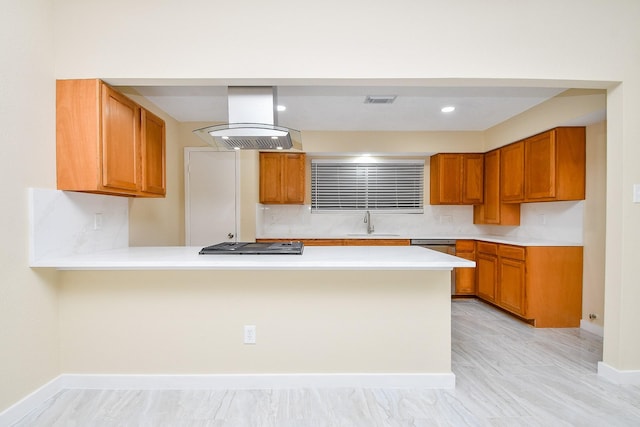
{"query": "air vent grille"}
{"type": "Point", "coordinates": [380, 99]}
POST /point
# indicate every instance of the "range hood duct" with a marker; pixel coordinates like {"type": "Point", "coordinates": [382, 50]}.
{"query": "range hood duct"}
{"type": "Point", "coordinates": [252, 123]}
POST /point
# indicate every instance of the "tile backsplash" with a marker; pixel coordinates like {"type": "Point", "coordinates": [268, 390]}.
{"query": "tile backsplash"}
{"type": "Point", "coordinates": [64, 223]}
{"type": "Point", "coordinates": [555, 221]}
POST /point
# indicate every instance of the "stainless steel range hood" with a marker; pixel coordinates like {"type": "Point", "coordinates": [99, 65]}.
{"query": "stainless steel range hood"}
{"type": "Point", "coordinates": [252, 123]}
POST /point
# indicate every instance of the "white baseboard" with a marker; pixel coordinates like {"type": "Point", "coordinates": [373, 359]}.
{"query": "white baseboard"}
{"type": "Point", "coordinates": [591, 327]}
{"type": "Point", "coordinates": [227, 382]}
{"type": "Point", "coordinates": [31, 402]}
{"type": "Point", "coordinates": [617, 376]}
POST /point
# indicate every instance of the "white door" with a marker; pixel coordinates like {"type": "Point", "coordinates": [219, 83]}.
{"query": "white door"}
{"type": "Point", "coordinates": [210, 196]}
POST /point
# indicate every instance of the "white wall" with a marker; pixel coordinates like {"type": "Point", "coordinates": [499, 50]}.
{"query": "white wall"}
{"type": "Point", "coordinates": [29, 341]}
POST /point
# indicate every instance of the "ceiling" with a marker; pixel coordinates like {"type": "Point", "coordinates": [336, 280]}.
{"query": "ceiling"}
{"type": "Point", "coordinates": [342, 108]}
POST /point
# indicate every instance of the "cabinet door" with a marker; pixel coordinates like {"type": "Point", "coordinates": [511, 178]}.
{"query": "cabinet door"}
{"type": "Point", "coordinates": [282, 178]}
{"type": "Point", "coordinates": [511, 292]}
{"type": "Point", "coordinates": [293, 178]}
{"type": "Point", "coordinates": [512, 172]}
{"type": "Point", "coordinates": [120, 141]}
{"type": "Point", "coordinates": [493, 211]}
{"type": "Point", "coordinates": [153, 154]}
{"type": "Point", "coordinates": [472, 178]}
{"type": "Point", "coordinates": [466, 277]}
{"type": "Point", "coordinates": [540, 178]}
{"type": "Point", "coordinates": [487, 270]}
{"type": "Point", "coordinates": [492, 187]}
{"type": "Point", "coordinates": [270, 178]}
{"type": "Point", "coordinates": [445, 175]}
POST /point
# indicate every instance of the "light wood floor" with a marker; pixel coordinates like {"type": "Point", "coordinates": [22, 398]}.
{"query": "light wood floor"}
{"type": "Point", "coordinates": [507, 374]}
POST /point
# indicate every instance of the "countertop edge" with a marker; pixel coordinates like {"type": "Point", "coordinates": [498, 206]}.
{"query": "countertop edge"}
{"type": "Point", "coordinates": [316, 258]}
{"type": "Point", "coordinates": [517, 241]}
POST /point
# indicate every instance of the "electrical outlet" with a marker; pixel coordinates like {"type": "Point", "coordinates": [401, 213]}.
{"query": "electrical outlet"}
{"type": "Point", "coordinates": [97, 221]}
{"type": "Point", "coordinates": [446, 219]}
{"type": "Point", "coordinates": [249, 334]}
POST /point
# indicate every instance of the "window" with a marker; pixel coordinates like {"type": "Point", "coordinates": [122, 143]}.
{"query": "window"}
{"type": "Point", "coordinates": [395, 186]}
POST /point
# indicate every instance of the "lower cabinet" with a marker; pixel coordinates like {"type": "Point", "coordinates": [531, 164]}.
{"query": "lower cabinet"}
{"type": "Point", "coordinates": [465, 277]}
{"type": "Point", "coordinates": [511, 279]}
{"type": "Point", "coordinates": [542, 284]}
{"type": "Point", "coordinates": [487, 270]}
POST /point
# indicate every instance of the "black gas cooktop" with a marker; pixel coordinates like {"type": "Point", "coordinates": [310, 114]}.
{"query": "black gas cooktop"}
{"type": "Point", "coordinates": [254, 248]}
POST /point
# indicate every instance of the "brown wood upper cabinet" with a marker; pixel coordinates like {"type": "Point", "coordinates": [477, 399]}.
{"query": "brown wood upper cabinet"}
{"type": "Point", "coordinates": [456, 179]}
{"type": "Point", "coordinates": [152, 150]}
{"type": "Point", "coordinates": [282, 178]}
{"type": "Point", "coordinates": [549, 166]}
{"type": "Point", "coordinates": [493, 210]}
{"type": "Point", "coordinates": [512, 172]}
{"type": "Point", "coordinates": [106, 143]}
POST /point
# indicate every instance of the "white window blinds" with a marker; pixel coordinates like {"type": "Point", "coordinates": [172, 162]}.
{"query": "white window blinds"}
{"type": "Point", "coordinates": [393, 186]}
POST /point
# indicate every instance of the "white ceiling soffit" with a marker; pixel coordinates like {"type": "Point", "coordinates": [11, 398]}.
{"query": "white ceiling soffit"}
{"type": "Point", "coordinates": [344, 108]}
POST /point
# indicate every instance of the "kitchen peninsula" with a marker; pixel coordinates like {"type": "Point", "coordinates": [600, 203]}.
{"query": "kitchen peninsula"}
{"type": "Point", "coordinates": [333, 316]}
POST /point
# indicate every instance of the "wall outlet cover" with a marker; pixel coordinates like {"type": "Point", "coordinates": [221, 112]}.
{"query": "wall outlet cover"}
{"type": "Point", "coordinates": [249, 334]}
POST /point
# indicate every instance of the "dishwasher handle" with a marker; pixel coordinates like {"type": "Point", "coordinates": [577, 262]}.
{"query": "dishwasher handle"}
{"type": "Point", "coordinates": [435, 242]}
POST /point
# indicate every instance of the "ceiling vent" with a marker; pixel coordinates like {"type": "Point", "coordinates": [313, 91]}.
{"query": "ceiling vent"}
{"type": "Point", "coordinates": [380, 99]}
{"type": "Point", "coordinates": [252, 123]}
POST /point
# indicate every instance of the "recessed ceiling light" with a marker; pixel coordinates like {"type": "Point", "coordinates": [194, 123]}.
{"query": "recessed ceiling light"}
{"type": "Point", "coordinates": [281, 108]}
{"type": "Point", "coordinates": [448, 109]}
{"type": "Point", "coordinates": [236, 148]}
{"type": "Point", "coordinates": [278, 148]}
{"type": "Point", "coordinates": [225, 137]}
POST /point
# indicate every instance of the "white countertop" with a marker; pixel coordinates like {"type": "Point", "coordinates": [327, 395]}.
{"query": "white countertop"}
{"type": "Point", "coordinates": [509, 240]}
{"type": "Point", "coordinates": [313, 258]}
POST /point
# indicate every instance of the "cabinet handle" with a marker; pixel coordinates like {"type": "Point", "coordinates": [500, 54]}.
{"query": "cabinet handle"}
{"type": "Point", "coordinates": [230, 235]}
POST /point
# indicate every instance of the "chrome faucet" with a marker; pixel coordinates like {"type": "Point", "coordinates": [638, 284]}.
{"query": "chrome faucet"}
{"type": "Point", "coordinates": [367, 220]}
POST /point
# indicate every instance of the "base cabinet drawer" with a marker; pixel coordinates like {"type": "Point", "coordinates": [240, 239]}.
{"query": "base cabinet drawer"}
{"type": "Point", "coordinates": [512, 252]}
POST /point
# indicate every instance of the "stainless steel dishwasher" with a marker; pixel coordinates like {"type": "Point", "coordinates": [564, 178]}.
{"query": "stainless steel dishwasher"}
{"type": "Point", "coordinates": [446, 246]}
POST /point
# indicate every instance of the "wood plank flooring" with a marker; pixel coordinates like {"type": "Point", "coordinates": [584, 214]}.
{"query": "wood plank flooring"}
{"type": "Point", "coordinates": [507, 374]}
